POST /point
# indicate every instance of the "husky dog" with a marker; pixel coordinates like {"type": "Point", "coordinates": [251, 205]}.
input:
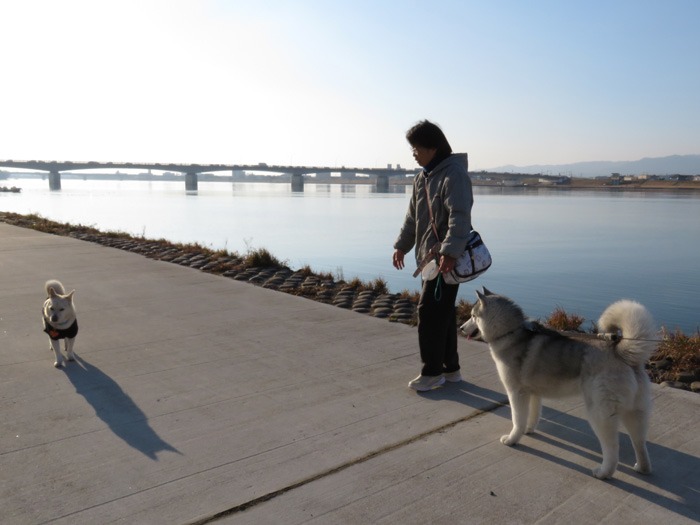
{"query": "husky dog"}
{"type": "Point", "coordinates": [535, 362]}
{"type": "Point", "coordinates": [59, 320]}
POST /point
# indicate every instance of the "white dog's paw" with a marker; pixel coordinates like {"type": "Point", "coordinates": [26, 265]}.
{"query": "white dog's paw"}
{"type": "Point", "coordinates": [601, 473]}
{"type": "Point", "coordinates": [530, 430]}
{"type": "Point", "coordinates": [507, 440]}
{"type": "Point", "coordinates": [58, 364]}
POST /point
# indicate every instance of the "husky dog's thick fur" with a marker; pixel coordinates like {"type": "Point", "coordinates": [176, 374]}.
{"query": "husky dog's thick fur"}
{"type": "Point", "coordinates": [535, 362]}
{"type": "Point", "coordinates": [60, 321]}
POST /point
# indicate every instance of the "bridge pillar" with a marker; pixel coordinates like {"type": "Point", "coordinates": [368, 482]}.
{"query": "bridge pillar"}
{"type": "Point", "coordinates": [382, 183]}
{"type": "Point", "coordinates": [55, 180]}
{"type": "Point", "coordinates": [297, 182]}
{"type": "Point", "coordinates": [190, 182]}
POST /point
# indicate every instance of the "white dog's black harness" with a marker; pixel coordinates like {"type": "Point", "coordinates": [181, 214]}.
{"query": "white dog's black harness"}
{"type": "Point", "coordinates": [58, 333]}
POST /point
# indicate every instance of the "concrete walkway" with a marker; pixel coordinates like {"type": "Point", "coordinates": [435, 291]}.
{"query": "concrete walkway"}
{"type": "Point", "coordinates": [200, 399]}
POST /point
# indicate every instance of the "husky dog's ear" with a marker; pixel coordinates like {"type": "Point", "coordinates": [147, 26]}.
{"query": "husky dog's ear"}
{"type": "Point", "coordinates": [487, 291]}
{"type": "Point", "coordinates": [480, 295]}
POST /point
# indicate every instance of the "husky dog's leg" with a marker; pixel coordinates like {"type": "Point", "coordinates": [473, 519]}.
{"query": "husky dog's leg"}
{"type": "Point", "coordinates": [69, 348]}
{"type": "Point", "coordinates": [637, 424]}
{"type": "Point", "coordinates": [56, 347]}
{"type": "Point", "coordinates": [534, 414]}
{"type": "Point", "coordinates": [519, 403]}
{"type": "Point", "coordinates": [604, 421]}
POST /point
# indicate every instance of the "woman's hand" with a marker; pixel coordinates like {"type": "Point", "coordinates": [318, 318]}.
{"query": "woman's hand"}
{"type": "Point", "coordinates": [447, 263]}
{"type": "Point", "coordinates": [398, 259]}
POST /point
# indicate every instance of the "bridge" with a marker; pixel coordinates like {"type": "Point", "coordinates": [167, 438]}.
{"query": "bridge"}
{"type": "Point", "coordinates": [192, 171]}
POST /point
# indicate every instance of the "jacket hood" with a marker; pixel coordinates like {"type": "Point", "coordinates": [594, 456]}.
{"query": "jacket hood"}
{"type": "Point", "coordinates": [461, 159]}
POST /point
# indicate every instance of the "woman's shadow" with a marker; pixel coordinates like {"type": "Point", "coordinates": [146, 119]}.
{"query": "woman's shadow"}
{"type": "Point", "coordinates": [113, 406]}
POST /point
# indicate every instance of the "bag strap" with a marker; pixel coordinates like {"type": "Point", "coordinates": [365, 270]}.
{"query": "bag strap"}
{"type": "Point", "coordinates": [430, 211]}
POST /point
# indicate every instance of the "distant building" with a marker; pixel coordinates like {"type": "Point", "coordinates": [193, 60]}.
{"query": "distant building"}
{"type": "Point", "coordinates": [615, 179]}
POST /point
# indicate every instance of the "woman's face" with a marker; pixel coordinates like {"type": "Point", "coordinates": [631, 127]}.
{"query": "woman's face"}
{"type": "Point", "coordinates": [423, 155]}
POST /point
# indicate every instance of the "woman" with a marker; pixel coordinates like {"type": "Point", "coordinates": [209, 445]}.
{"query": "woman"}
{"type": "Point", "coordinates": [450, 190]}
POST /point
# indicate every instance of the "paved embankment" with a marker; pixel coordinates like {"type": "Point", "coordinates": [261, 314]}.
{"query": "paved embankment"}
{"type": "Point", "coordinates": [198, 398]}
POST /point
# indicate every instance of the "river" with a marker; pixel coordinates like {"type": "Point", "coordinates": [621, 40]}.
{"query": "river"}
{"type": "Point", "coordinates": [579, 250]}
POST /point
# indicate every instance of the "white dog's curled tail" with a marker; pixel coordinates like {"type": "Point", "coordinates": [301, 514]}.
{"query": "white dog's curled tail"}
{"type": "Point", "coordinates": [54, 285]}
{"type": "Point", "coordinates": [637, 328]}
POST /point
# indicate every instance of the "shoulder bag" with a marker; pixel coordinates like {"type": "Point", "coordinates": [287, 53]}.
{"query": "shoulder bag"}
{"type": "Point", "coordinates": [474, 261]}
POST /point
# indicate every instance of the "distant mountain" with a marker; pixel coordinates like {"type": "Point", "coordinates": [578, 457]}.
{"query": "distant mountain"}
{"type": "Point", "coordinates": [672, 165]}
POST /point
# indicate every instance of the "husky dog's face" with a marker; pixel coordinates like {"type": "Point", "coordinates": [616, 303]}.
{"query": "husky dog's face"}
{"type": "Point", "coordinates": [59, 309]}
{"type": "Point", "coordinates": [492, 316]}
{"type": "Point", "coordinates": [472, 327]}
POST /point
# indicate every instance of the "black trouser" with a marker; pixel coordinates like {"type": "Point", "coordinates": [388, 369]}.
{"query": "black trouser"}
{"type": "Point", "coordinates": [437, 328]}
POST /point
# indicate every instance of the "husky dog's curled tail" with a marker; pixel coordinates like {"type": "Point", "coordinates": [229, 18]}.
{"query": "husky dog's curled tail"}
{"type": "Point", "coordinates": [637, 328]}
{"type": "Point", "coordinates": [54, 286]}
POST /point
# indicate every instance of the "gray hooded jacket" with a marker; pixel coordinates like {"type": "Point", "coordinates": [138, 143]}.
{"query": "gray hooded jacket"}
{"type": "Point", "coordinates": [451, 199]}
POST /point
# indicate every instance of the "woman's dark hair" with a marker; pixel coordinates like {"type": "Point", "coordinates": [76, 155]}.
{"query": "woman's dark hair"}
{"type": "Point", "coordinates": [425, 134]}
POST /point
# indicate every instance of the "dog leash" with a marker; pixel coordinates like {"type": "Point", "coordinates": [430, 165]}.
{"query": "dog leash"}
{"type": "Point", "coordinates": [438, 289]}
{"type": "Point", "coordinates": [616, 338]}
{"type": "Point", "coordinates": [432, 255]}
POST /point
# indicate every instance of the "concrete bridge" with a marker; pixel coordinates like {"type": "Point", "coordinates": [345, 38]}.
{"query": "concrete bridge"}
{"type": "Point", "coordinates": [192, 171]}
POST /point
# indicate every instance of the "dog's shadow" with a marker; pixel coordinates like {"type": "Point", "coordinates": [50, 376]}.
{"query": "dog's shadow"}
{"type": "Point", "coordinates": [113, 406]}
{"type": "Point", "coordinates": [673, 485]}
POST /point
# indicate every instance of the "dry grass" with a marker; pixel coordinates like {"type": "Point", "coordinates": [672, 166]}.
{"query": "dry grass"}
{"type": "Point", "coordinates": [560, 320]}
{"type": "Point", "coordinates": [681, 354]}
{"type": "Point", "coordinates": [355, 284]}
{"type": "Point", "coordinates": [379, 286]}
{"type": "Point", "coordinates": [464, 311]}
{"type": "Point", "coordinates": [261, 258]}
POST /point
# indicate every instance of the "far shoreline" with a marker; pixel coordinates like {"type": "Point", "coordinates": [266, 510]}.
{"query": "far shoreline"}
{"type": "Point", "coordinates": [481, 179]}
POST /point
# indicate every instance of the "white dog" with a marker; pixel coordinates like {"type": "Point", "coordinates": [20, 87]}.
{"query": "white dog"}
{"type": "Point", "coordinates": [535, 362]}
{"type": "Point", "coordinates": [59, 319]}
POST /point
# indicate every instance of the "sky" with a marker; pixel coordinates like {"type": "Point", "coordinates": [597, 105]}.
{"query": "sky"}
{"type": "Point", "coordinates": [338, 83]}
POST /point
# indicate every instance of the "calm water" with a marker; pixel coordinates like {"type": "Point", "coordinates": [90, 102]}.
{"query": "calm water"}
{"type": "Point", "coordinates": [578, 250]}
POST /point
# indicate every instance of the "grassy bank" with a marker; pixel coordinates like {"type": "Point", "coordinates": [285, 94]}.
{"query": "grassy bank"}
{"type": "Point", "coordinates": [676, 361]}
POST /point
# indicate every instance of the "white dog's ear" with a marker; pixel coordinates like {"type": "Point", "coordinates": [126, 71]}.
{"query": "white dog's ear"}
{"type": "Point", "coordinates": [52, 292]}
{"type": "Point", "coordinates": [70, 295]}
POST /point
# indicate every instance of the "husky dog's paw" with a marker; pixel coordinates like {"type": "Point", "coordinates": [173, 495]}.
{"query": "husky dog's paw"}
{"type": "Point", "coordinates": [642, 469]}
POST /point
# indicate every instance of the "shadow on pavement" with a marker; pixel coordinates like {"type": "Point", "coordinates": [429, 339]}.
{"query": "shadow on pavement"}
{"type": "Point", "coordinates": [675, 472]}
{"type": "Point", "coordinates": [113, 406]}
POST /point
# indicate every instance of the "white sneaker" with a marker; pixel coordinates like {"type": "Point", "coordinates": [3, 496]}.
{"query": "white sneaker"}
{"type": "Point", "coordinates": [425, 383]}
{"type": "Point", "coordinates": [453, 377]}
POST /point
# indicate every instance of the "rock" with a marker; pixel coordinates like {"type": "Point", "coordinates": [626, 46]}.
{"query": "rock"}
{"type": "Point", "coordinates": [695, 386]}
{"type": "Point", "coordinates": [662, 364]}
{"type": "Point", "coordinates": [383, 309]}
{"type": "Point", "coordinates": [360, 309]}
{"type": "Point", "coordinates": [675, 384]}
{"type": "Point", "coordinates": [686, 376]}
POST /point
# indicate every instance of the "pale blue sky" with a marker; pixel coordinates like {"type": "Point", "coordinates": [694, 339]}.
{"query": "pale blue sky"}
{"type": "Point", "coordinates": [324, 82]}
